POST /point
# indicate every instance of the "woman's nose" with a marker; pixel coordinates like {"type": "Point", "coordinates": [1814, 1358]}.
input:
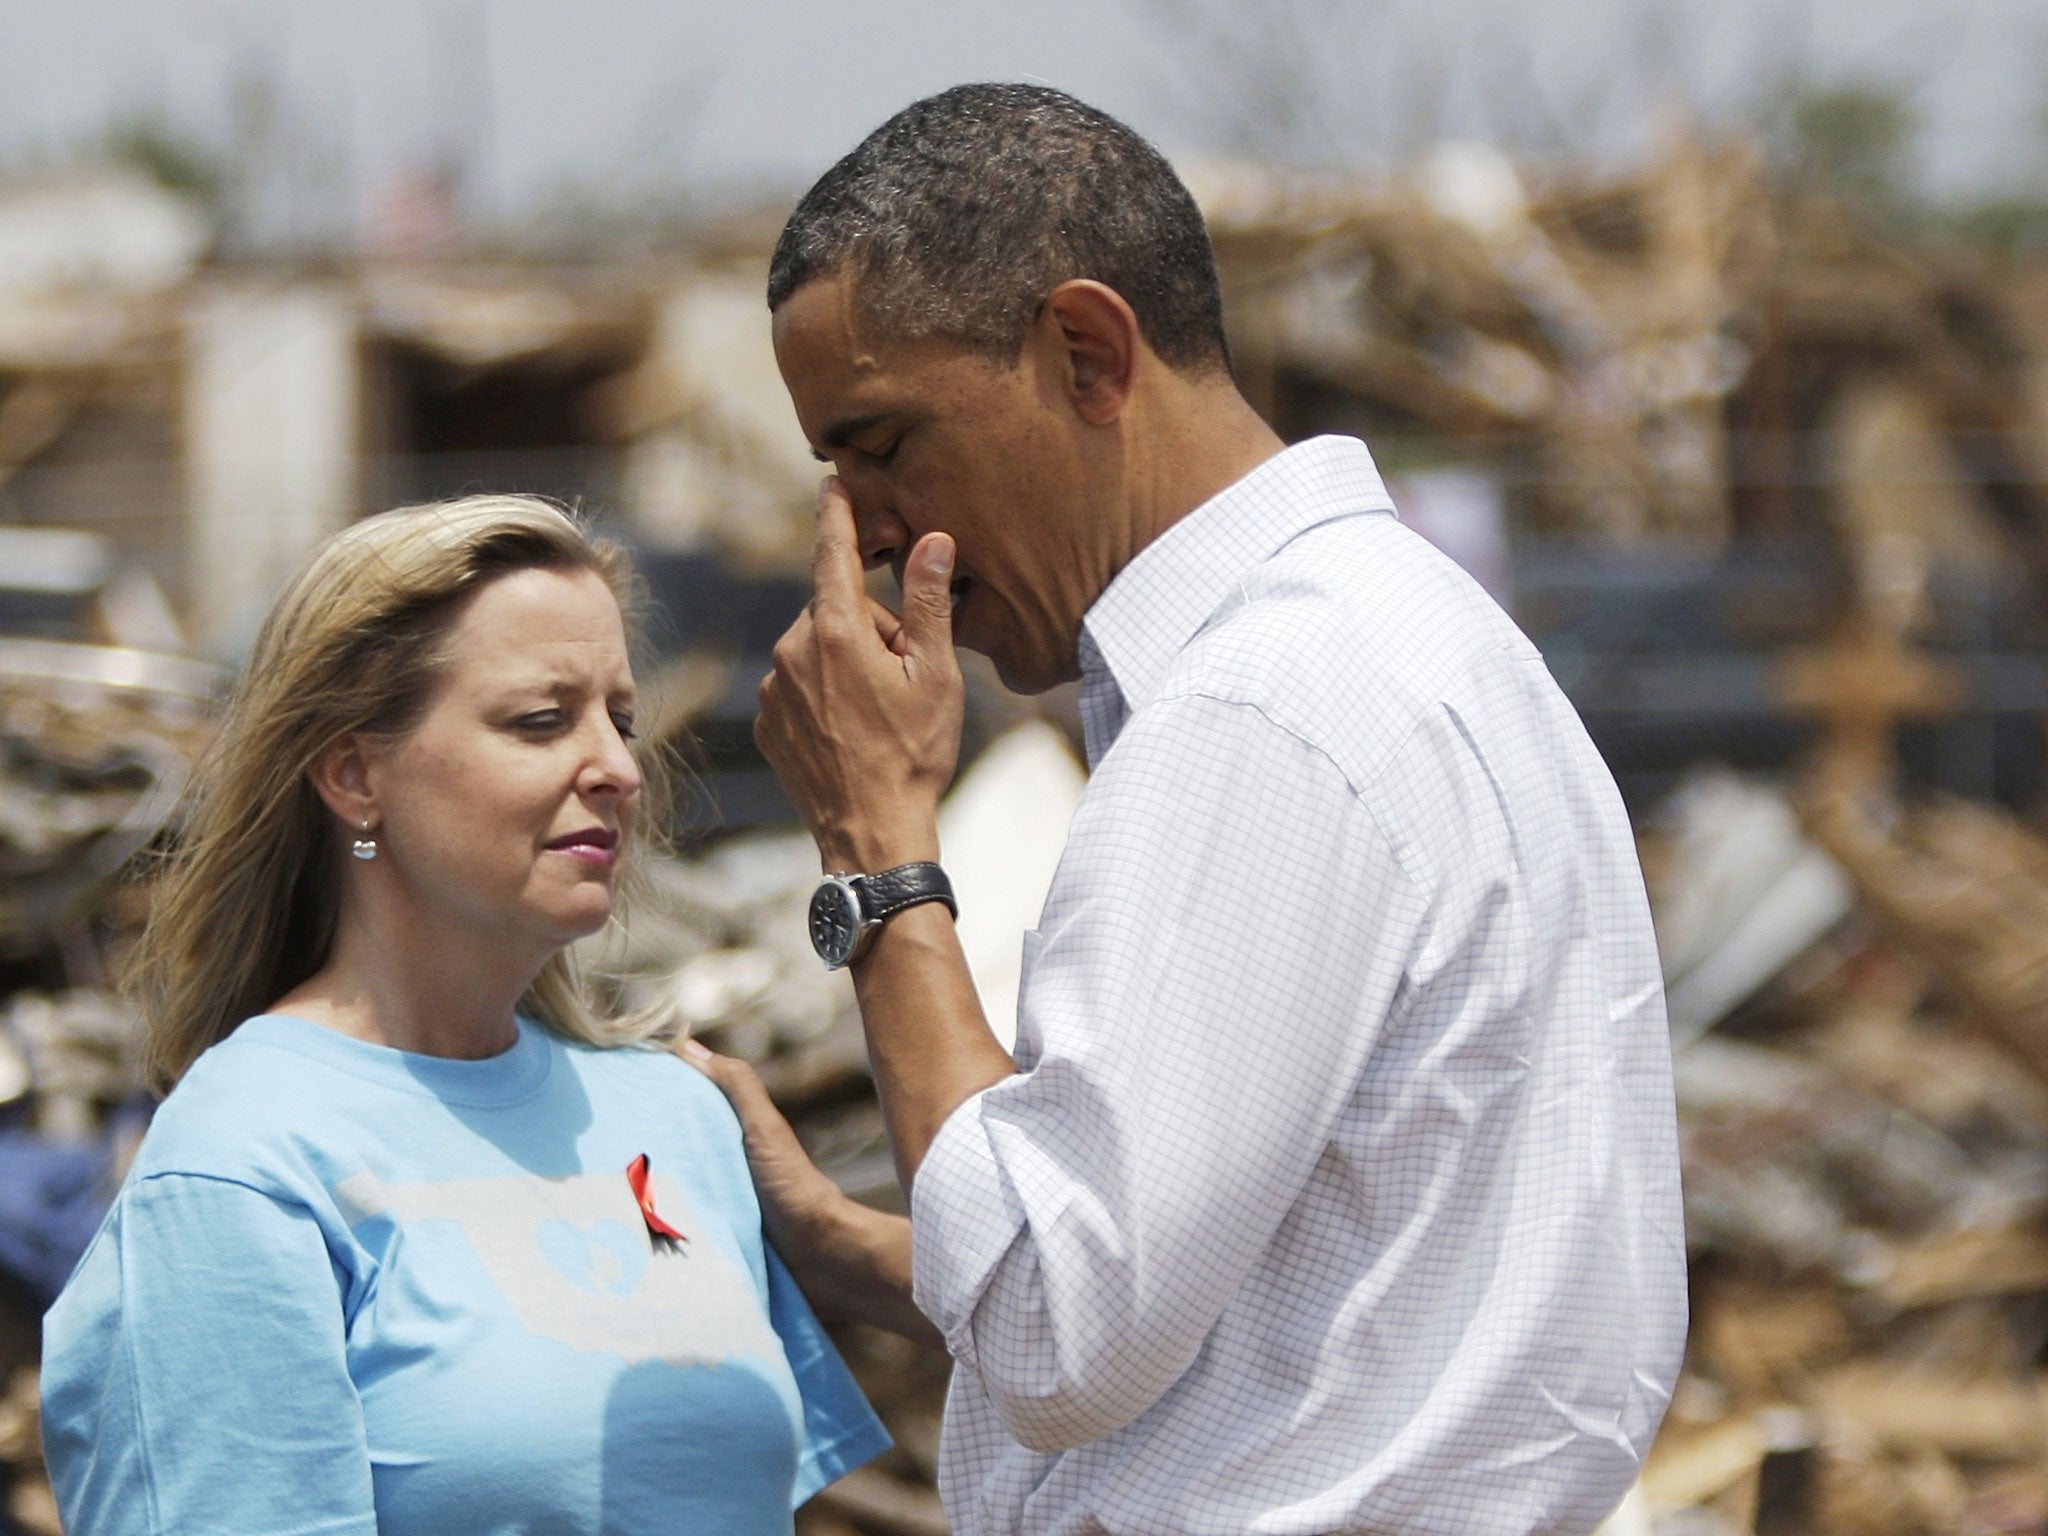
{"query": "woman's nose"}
{"type": "Point", "coordinates": [612, 766]}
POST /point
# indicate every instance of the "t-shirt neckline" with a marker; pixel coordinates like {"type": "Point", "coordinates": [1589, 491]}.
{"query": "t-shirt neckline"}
{"type": "Point", "coordinates": [510, 1077]}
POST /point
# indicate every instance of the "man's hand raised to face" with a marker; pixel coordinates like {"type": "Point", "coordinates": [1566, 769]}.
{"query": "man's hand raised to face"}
{"type": "Point", "coordinates": [861, 721]}
{"type": "Point", "coordinates": [860, 717]}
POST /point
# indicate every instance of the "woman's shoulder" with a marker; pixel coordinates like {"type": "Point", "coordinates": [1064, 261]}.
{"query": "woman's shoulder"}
{"type": "Point", "coordinates": [237, 1113]}
{"type": "Point", "coordinates": [650, 1072]}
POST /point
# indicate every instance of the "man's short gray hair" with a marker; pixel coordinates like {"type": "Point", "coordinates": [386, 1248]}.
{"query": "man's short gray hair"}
{"type": "Point", "coordinates": [959, 215]}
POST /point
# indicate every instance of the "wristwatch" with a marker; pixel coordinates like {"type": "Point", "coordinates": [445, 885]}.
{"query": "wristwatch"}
{"type": "Point", "coordinates": [847, 909]}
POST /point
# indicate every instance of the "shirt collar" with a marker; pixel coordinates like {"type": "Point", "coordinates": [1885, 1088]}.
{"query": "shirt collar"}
{"type": "Point", "coordinates": [1161, 600]}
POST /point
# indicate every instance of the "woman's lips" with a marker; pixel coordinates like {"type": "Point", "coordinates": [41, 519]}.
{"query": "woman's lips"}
{"type": "Point", "coordinates": [593, 845]}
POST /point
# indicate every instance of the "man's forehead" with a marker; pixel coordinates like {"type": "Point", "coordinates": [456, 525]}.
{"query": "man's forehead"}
{"type": "Point", "coordinates": [824, 321]}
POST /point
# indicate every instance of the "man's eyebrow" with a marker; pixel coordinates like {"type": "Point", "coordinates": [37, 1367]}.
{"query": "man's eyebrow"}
{"type": "Point", "coordinates": [842, 432]}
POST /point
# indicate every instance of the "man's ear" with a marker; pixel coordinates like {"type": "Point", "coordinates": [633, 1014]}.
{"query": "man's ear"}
{"type": "Point", "coordinates": [340, 775]}
{"type": "Point", "coordinates": [1099, 336]}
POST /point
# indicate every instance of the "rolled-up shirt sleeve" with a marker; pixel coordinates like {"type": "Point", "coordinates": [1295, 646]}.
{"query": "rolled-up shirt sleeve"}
{"type": "Point", "coordinates": [1223, 946]}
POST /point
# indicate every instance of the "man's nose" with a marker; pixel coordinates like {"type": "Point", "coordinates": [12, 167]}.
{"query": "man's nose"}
{"type": "Point", "coordinates": [883, 536]}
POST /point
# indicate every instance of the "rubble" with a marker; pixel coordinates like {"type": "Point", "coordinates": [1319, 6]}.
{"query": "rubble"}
{"type": "Point", "coordinates": [95, 746]}
{"type": "Point", "coordinates": [96, 743]}
{"type": "Point", "coordinates": [1677, 352]}
{"type": "Point", "coordinates": [1865, 1145]}
{"type": "Point", "coordinates": [1748, 892]}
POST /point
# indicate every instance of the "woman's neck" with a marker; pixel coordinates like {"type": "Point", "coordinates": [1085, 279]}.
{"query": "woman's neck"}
{"type": "Point", "coordinates": [391, 983]}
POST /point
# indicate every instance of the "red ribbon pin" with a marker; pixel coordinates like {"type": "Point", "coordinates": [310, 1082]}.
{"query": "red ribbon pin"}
{"type": "Point", "coordinates": [637, 1177]}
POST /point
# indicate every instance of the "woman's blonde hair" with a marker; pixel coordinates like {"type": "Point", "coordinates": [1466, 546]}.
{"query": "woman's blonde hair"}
{"type": "Point", "coordinates": [245, 909]}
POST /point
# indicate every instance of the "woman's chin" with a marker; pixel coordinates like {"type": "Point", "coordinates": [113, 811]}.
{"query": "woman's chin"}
{"type": "Point", "coordinates": [579, 919]}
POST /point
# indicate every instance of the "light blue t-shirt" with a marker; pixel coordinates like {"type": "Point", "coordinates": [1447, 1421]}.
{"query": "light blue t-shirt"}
{"type": "Point", "coordinates": [352, 1289]}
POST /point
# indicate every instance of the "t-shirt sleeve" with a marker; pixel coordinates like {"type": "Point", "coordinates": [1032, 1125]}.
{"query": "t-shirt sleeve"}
{"type": "Point", "coordinates": [195, 1374]}
{"type": "Point", "coordinates": [840, 1429]}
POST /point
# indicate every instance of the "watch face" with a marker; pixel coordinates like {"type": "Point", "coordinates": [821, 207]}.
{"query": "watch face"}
{"type": "Point", "coordinates": [835, 921]}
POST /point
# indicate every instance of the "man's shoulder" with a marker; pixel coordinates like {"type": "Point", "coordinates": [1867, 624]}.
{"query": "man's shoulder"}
{"type": "Point", "coordinates": [1348, 637]}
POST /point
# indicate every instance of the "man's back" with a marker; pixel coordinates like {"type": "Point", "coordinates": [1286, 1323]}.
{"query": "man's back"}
{"type": "Point", "coordinates": [1339, 1190]}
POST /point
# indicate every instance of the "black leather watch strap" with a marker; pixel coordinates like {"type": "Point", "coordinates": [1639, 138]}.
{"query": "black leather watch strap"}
{"type": "Point", "coordinates": [905, 886]}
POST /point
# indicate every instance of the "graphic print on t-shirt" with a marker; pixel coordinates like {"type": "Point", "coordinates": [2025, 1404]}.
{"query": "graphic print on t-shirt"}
{"type": "Point", "coordinates": [572, 1259]}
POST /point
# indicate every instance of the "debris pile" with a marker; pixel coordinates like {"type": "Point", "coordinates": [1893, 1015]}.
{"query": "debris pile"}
{"type": "Point", "coordinates": [95, 746]}
{"type": "Point", "coordinates": [1865, 1142]}
{"type": "Point", "coordinates": [96, 742]}
{"type": "Point", "coordinates": [1688, 352]}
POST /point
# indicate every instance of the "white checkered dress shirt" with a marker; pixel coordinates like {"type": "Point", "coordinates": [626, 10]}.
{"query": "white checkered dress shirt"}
{"type": "Point", "coordinates": [1338, 1190]}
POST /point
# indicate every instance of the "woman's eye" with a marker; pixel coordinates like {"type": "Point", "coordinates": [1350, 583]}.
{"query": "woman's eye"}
{"type": "Point", "coordinates": [540, 720]}
{"type": "Point", "coordinates": [624, 725]}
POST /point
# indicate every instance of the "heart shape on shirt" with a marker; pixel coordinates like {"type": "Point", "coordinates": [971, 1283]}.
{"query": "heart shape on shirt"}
{"type": "Point", "coordinates": [607, 1258]}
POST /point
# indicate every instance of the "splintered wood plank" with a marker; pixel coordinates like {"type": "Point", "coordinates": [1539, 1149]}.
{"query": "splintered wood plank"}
{"type": "Point", "coordinates": [1690, 1466]}
{"type": "Point", "coordinates": [1998, 1419]}
{"type": "Point", "coordinates": [2003, 1261]}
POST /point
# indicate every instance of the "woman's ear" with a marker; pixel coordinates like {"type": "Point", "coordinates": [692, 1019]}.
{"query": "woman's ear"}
{"type": "Point", "coordinates": [340, 775]}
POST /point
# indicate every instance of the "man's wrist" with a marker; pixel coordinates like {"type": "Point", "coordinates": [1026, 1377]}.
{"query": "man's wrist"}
{"type": "Point", "coordinates": [869, 853]}
{"type": "Point", "coordinates": [839, 1239]}
{"type": "Point", "coordinates": [927, 926]}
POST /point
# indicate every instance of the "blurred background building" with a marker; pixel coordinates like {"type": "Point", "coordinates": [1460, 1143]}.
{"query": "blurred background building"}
{"type": "Point", "coordinates": [1713, 340]}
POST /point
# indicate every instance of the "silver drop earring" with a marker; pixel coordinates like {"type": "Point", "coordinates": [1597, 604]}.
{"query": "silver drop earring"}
{"type": "Point", "coordinates": [365, 846]}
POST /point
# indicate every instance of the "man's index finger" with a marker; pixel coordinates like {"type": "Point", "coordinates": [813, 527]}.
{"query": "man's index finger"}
{"type": "Point", "coordinates": [837, 575]}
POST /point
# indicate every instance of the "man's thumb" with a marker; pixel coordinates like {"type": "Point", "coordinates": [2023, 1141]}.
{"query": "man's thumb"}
{"type": "Point", "coordinates": [928, 593]}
